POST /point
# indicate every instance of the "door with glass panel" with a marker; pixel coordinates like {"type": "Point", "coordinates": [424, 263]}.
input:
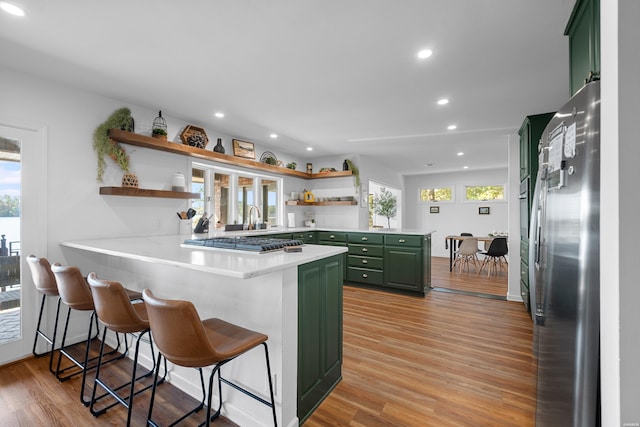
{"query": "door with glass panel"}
{"type": "Point", "coordinates": [18, 195]}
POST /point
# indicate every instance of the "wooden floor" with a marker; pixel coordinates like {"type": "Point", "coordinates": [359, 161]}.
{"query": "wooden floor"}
{"type": "Point", "coordinates": [443, 360]}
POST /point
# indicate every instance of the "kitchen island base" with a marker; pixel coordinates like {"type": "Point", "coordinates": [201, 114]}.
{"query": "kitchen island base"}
{"type": "Point", "coordinates": [266, 301]}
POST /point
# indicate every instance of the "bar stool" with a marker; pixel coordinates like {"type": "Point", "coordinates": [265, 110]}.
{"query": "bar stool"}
{"type": "Point", "coordinates": [116, 312]}
{"type": "Point", "coordinates": [186, 340]}
{"type": "Point", "coordinates": [45, 283]}
{"type": "Point", "coordinates": [76, 294]}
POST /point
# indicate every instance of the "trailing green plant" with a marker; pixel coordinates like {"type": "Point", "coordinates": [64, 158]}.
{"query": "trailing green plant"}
{"type": "Point", "coordinates": [159, 131]}
{"type": "Point", "coordinates": [104, 146]}
{"type": "Point", "coordinates": [385, 204]}
{"type": "Point", "coordinates": [292, 165]}
{"type": "Point", "coordinates": [355, 172]}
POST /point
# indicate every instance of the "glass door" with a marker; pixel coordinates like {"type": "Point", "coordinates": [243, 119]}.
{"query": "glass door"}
{"type": "Point", "coordinates": [10, 283]}
{"type": "Point", "coordinates": [22, 227]}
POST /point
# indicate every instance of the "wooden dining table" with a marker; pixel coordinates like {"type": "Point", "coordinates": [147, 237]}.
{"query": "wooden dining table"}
{"type": "Point", "coordinates": [450, 243]}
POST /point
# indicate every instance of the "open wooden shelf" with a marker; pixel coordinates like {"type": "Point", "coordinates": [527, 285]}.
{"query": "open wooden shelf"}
{"type": "Point", "coordinates": [336, 203]}
{"type": "Point", "coordinates": [186, 150]}
{"type": "Point", "coordinates": [141, 192]}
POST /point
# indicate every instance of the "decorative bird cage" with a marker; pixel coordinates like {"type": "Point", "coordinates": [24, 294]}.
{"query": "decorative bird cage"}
{"type": "Point", "coordinates": [159, 123]}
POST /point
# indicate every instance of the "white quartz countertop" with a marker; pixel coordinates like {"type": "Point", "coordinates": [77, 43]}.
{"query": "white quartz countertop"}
{"type": "Point", "coordinates": [278, 230]}
{"type": "Point", "coordinates": [168, 250]}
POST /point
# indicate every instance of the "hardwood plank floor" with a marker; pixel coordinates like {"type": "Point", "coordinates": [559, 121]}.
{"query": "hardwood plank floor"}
{"type": "Point", "coordinates": [442, 360]}
{"type": "Point", "coordinates": [470, 281]}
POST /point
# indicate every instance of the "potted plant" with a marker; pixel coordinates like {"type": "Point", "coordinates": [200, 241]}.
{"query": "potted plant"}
{"type": "Point", "coordinates": [159, 133]}
{"type": "Point", "coordinates": [355, 173]}
{"type": "Point", "coordinates": [104, 146]}
{"type": "Point", "coordinates": [385, 204]}
{"type": "Point", "coordinates": [292, 165]}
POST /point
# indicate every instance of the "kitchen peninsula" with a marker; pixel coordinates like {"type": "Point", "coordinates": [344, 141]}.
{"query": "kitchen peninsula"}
{"type": "Point", "coordinates": [293, 297]}
{"type": "Point", "coordinates": [275, 293]}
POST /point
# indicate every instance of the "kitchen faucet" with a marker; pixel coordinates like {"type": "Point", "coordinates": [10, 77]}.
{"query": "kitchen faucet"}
{"type": "Point", "coordinates": [255, 225]}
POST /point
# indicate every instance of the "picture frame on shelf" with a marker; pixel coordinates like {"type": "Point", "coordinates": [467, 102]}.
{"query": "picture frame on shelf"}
{"type": "Point", "coordinates": [434, 209]}
{"type": "Point", "coordinates": [244, 149]}
{"type": "Point", "coordinates": [484, 210]}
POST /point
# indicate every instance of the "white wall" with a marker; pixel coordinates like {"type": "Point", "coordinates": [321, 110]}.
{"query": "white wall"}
{"type": "Point", "coordinates": [459, 216]}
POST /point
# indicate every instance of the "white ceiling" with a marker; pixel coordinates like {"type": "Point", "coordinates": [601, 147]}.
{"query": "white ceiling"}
{"type": "Point", "coordinates": [341, 76]}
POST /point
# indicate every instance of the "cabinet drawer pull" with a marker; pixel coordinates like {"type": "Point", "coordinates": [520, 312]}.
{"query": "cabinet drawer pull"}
{"type": "Point", "coordinates": [364, 261]}
{"type": "Point", "coordinates": [364, 239]}
{"type": "Point", "coordinates": [402, 241]}
{"type": "Point", "coordinates": [364, 249]}
{"type": "Point", "coordinates": [364, 276]}
{"type": "Point", "coordinates": [332, 237]}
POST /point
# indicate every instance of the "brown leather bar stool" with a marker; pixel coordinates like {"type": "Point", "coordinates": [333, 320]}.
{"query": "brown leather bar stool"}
{"type": "Point", "coordinates": [116, 313]}
{"type": "Point", "coordinates": [45, 283]}
{"type": "Point", "coordinates": [76, 294]}
{"type": "Point", "coordinates": [186, 340]}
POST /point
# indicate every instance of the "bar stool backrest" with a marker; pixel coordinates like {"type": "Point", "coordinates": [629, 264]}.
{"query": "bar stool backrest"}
{"type": "Point", "coordinates": [42, 275]}
{"type": "Point", "coordinates": [114, 308]}
{"type": "Point", "coordinates": [74, 289]}
{"type": "Point", "coordinates": [178, 332]}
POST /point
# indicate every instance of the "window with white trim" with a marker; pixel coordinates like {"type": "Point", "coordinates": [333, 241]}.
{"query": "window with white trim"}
{"type": "Point", "coordinates": [230, 193]}
{"type": "Point", "coordinates": [436, 195]}
{"type": "Point", "coordinates": [484, 193]}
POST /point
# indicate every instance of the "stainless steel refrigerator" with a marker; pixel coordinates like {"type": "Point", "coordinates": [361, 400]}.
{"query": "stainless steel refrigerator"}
{"type": "Point", "coordinates": [565, 256]}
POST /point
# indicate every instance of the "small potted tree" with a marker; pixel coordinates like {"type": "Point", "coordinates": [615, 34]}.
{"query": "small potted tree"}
{"type": "Point", "coordinates": [385, 204]}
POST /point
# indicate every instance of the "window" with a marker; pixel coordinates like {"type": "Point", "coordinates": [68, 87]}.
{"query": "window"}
{"type": "Point", "coordinates": [229, 195]}
{"type": "Point", "coordinates": [484, 193]}
{"type": "Point", "coordinates": [433, 195]}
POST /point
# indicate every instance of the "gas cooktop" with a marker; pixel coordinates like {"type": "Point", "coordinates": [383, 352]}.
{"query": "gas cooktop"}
{"type": "Point", "coordinates": [251, 244]}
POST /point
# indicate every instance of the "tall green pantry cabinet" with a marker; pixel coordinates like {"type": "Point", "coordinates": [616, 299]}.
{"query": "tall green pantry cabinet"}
{"type": "Point", "coordinates": [530, 133]}
{"type": "Point", "coordinates": [319, 331]}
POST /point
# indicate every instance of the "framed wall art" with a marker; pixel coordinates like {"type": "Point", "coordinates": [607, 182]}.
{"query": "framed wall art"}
{"type": "Point", "coordinates": [244, 149]}
{"type": "Point", "coordinates": [434, 209]}
{"type": "Point", "coordinates": [484, 210]}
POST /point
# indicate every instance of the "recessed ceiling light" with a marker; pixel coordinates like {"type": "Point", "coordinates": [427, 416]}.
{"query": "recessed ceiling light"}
{"type": "Point", "coordinates": [273, 135]}
{"type": "Point", "coordinates": [309, 148]}
{"type": "Point", "coordinates": [219, 115]}
{"type": "Point", "coordinates": [452, 127]}
{"type": "Point", "coordinates": [460, 153]}
{"type": "Point", "coordinates": [11, 8]}
{"type": "Point", "coordinates": [443, 101]}
{"type": "Point", "coordinates": [425, 53]}
{"type": "Point", "coordinates": [465, 167]}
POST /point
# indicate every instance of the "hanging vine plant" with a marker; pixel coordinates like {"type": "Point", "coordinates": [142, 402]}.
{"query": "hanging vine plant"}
{"type": "Point", "coordinates": [356, 174]}
{"type": "Point", "coordinates": [104, 146]}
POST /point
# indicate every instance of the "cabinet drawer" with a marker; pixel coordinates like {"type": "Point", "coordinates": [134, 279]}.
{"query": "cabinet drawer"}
{"type": "Point", "coordinates": [524, 251]}
{"type": "Point", "coordinates": [365, 262]}
{"type": "Point", "coordinates": [524, 273]}
{"type": "Point", "coordinates": [524, 293]}
{"type": "Point", "coordinates": [307, 237]}
{"type": "Point", "coordinates": [368, 250]}
{"type": "Point", "coordinates": [403, 240]}
{"type": "Point", "coordinates": [363, 275]}
{"type": "Point", "coordinates": [330, 236]}
{"type": "Point", "coordinates": [366, 238]}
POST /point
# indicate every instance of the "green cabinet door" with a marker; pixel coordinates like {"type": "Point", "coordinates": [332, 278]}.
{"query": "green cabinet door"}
{"type": "Point", "coordinates": [583, 29]}
{"type": "Point", "coordinates": [403, 268]}
{"type": "Point", "coordinates": [319, 331]}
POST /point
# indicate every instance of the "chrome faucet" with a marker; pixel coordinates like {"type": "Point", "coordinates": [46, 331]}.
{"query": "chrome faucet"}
{"type": "Point", "coordinates": [251, 208]}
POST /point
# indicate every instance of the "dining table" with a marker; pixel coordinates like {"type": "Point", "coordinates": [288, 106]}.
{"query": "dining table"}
{"type": "Point", "coordinates": [450, 243]}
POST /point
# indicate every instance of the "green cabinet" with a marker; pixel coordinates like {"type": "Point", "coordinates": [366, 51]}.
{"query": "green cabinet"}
{"type": "Point", "coordinates": [530, 133]}
{"type": "Point", "coordinates": [365, 258]}
{"type": "Point", "coordinates": [404, 260]}
{"type": "Point", "coordinates": [583, 29]}
{"type": "Point", "coordinates": [336, 238]}
{"type": "Point", "coordinates": [319, 331]}
{"type": "Point", "coordinates": [306, 236]}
